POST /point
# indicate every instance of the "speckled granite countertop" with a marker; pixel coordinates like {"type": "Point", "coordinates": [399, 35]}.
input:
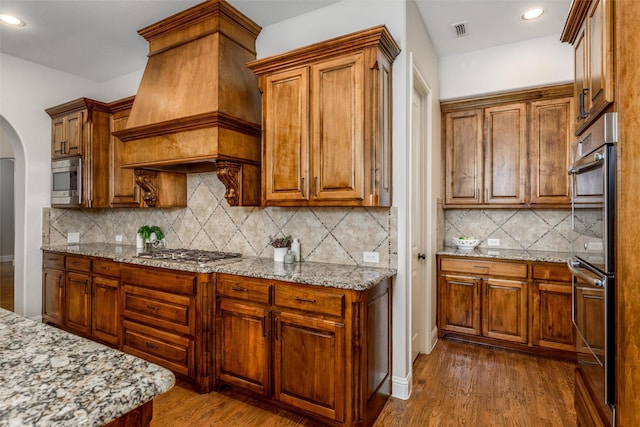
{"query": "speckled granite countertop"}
{"type": "Point", "coordinates": [508, 254]}
{"type": "Point", "coordinates": [313, 273]}
{"type": "Point", "coordinates": [49, 377]}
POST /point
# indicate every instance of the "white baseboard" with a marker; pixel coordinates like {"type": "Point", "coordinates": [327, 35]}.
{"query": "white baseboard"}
{"type": "Point", "coordinates": [6, 258]}
{"type": "Point", "coordinates": [401, 387]}
{"type": "Point", "coordinates": [434, 338]}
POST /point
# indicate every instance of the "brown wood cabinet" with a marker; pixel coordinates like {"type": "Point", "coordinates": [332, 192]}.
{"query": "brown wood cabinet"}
{"type": "Point", "coordinates": [105, 301]}
{"type": "Point", "coordinates": [53, 285]}
{"type": "Point", "coordinates": [81, 128]}
{"type": "Point", "coordinates": [322, 351]}
{"type": "Point", "coordinates": [326, 112]}
{"type": "Point", "coordinates": [508, 150]}
{"type": "Point", "coordinates": [166, 319]}
{"type": "Point", "coordinates": [515, 304]}
{"type": "Point", "coordinates": [589, 29]}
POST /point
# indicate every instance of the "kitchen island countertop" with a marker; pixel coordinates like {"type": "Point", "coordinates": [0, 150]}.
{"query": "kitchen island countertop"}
{"type": "Point", "coordinates": [49, 377]}
{"type": "Point", "coordinates": [312, 273]}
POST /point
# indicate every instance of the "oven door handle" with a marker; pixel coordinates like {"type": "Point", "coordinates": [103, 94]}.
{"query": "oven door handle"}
{"type": "Point", "coordinates": [593, 281]}
{"type": "Point", "coordinates": [598, 158]}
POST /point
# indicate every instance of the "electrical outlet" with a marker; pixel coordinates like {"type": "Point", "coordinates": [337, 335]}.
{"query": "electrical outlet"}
{"type": "Point", "coordinates": [118, 238]}
{"type": "Point", "coordinates": [493, 242]}
{"type": "Point", "coordinates": [371, 257]}
{"type": "Point", "coordinates": [73, 237]}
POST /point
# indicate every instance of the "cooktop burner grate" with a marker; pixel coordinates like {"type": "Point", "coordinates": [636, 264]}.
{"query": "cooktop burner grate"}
{"type": "Point", "coordinates": [186, 255]}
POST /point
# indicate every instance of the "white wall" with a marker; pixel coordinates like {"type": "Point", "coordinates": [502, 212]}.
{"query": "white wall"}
{"type": "Point", "coordinates": [27, 90]}
{"type": "Point", "coordinates": [332, 21]}
{"type": "Point", "coordinates": [525, 64]}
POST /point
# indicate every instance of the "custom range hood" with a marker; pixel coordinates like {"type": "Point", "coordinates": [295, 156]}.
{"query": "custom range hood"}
{"type": "Point", "coordinates": [198, 107]}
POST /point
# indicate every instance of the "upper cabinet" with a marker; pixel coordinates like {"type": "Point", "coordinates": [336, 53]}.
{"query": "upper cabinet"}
{"type": "Point", "coordinates": [589, 28]}
{"type": "Point", "coordinates": [326, 120]}
{"type": "Point", "coordinates": [508, 150]}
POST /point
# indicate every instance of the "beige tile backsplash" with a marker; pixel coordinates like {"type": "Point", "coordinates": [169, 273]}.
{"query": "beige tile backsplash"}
{"type": "Point", "coordinates": [329, 234]}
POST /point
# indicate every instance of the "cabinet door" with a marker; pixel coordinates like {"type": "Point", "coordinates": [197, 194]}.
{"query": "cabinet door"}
{"type": "Point", "coordinates": [505, 154]}
{"type": "Point", "coordinates": [463, 158]}
{"type": "Point", "coordinates": [285, 157]}
{"type": "Point", "coordinates": [550, 138]}
{"type": "Point", "coordinates": [337, 129]}
{"type": "Point", "coordinates": [551, 313]}
{"type": "Point", "coordinates": [77, 302]}
{"type": "Point", "coordinates": [581, 79]}
{"type": "Point", "coordinates": [58, 137]}
{"type": "Point", "coordinates": [600, 77]}
{"type": "Point", "coordinates": [124, 191]}
{"type": "Point", "coordinates": [74, 133]}
{"type": "Point", "coordinates": [309, 364]}
{"type": "Point", "coordinates": [459, 304]}
{"type": "Point", "coordinates": [505, 310]}
{"type": "Point", "coordinates": [53, 296]}
{"type": "Point", "coordinates": [105, 310]}
{"type": "Point", "coordinates": [242, 346]}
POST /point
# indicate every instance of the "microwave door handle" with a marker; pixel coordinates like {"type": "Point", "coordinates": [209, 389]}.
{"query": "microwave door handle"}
{"type": "Point", "coordinates": [592, 281]}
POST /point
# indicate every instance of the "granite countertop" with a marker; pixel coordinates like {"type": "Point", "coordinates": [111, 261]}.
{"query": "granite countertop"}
{"type": "Point", "coordinates": [49, 377]}
{"type": "Point", "coordinates": [507, 254]}
{"type": "Point", "coordinates": [312, 273]}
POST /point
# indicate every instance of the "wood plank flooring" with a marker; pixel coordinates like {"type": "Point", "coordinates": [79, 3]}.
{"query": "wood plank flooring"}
{"type": "Point", "coordinates": [457, 385]}
{"type": "Point", "coordinates": [6, 286]}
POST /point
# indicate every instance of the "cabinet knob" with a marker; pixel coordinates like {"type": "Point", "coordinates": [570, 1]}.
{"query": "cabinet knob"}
{"type": "Point", "coordinates": [421, 256]}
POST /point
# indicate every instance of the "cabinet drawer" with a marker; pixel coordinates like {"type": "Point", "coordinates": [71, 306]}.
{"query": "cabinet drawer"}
{"type": "Point", "coordinates": [78, 263]}
{"type": "Point", "coordinates": [162, 280]}
{"type": "Point", "coordinates": [172, 351]}
{"type": "Point", "coordinates": [243, 288]}
{"type": "Point", "coordinates": [175, 313]}
{"type": "Point", "coordinates": [106, 267]}
{"type": "Point", "coordinates": [52, 260]}
{"type": "Point", "coordinates": [551, 272]}
{"type": "Point", "coordinates": [304, 298]}
{"type": "Point", "coordinates": [484, 268]}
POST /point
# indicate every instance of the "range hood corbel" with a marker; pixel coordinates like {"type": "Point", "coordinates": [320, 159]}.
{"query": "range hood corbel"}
{"type": "Point", "coordinates": [198, 107]}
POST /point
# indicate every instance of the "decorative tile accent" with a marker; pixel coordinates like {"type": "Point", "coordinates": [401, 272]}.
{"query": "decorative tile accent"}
{"type": "Point", "coordinates": [327, 234]}
{"type": "Point", "coordinates": [529, 229]}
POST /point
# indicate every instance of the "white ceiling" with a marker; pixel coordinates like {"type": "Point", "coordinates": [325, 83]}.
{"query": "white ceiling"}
{"type": "Point", "coordinates": [98, 40]}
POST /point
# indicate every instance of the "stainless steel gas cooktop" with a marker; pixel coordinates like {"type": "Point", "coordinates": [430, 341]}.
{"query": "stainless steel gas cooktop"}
{"type": "Point", "coordinates": [188, 255]}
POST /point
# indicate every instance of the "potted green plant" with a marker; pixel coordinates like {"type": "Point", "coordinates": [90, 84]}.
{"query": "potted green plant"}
{"type": "Point", "coordinates": [151, 234]}
{"type": "Point", "coordinates": [280, 247]}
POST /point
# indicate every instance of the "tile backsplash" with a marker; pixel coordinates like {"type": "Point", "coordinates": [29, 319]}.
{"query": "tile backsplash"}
{"type": "Point", "coordinates": [542, 229]}
{"type": "Point", "coordinates": [327, 234]}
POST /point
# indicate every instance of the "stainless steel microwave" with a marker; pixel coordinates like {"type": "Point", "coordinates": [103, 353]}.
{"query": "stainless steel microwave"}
{"type": "Point", "coordinates": [66, 182]}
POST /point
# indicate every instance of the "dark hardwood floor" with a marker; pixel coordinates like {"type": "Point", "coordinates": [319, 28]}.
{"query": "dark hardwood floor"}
{"type": "Point", "coordinates": [458, 384]}
{"type": "Point", "coordinates": [6, 285]}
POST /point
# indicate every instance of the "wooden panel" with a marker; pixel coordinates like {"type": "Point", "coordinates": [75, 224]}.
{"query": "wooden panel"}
{"type": "Point", "coordinates": [550, 138]}
{"type": "Point", "coordinates": [74, 133]}
{"type": "Point", "coordinates": [505, 154]}
{"type": "Point", "coordinates": [53, 260]}
{"type": "Point", "coordinates": [163, 280]}
{"type": "Point", "coordinates": [123, 189]}
{"type": "Point", "coordinates": [53, 295]}
{"type": "Point", "coordinates": [243, 288]}
{"type": "Point", "coordinates": [106, 267]}
{"type": "Point", "coordinates": [169, 311]}
{"type": "Point", "coordinates": [586, 410]}
{"type": "Point", "coordinates": [459, 304]}
{"type": "Point", "coordinates": [600, 31]}
{"type": "Point", "coordinates": [337, 128]}
{"type": "Point", "coordinates": [463, 157]}
{"type": "Point", "coordinates": [304, 298]}
{"type": "Point", "coordinates": [505, 310]}
{"type": "Point", "coordinates": [57, 137]}
{"type": "Point", "coordinates": [78, 302]}
{"type": "Point", "coordinates": [286, 135]}
{"type": "Point", "coordinates": [78, 263]}
{"type": "Point", "coordinates": [480, 267]}
{"type": "Point", "coordinates": [243, 341]}
{"type": "Point", "coordinates": [105, 310]}
{"type": "Point", "coordinates": [581, 78]}
{"type": "Point", "coordinates": [551, 314]}
{"type": "Point", "coordinates": [556, 272]}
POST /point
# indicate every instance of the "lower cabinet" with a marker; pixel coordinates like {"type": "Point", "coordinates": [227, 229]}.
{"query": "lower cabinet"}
{"type": "Point", "coordinates": [53, 286]}
{"type": "Point", "coordinates": [78, 302]}
{"type": "Point", "coordinates": [323, 352]}
{"type": "Point", "coordinates": [516, 304]}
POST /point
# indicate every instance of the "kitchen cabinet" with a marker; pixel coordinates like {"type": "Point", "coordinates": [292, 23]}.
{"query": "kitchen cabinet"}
{"type": "Point", "coordinates": [81, 128]}
{"type": "Point", "coordinates": [78, 294]}
{"type": "Point", "coordinates": [515, 304]}
{"type": "Point", "coordinates": [166, 319]}
{"type": "Point", "coordinates": [589, 29]}
{"type": "Point", "coordinates": [130, 188]}
{"type": "Point", "coordinates": [510, 149]}
{"type": "Point", "coordinates": [53, 284]}
{"type": "Point", "coordinates": [324, 352]}
{"type": "Point", "coordinates": [326, 112]}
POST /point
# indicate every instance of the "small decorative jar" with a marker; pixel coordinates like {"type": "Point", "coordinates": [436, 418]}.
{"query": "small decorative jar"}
{"type": "Point", "coordinates": [290, 257]}
{"type": "Point", "coordinates": [279, 253]}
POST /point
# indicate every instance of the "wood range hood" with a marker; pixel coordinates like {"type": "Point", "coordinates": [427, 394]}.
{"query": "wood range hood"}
{"type": "Point", "coordinates": [198, 107]}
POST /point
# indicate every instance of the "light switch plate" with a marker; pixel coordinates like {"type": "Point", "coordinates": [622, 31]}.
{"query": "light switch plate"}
{"type": "Point", "coordinates": [73, 237]}
{"type": "Point", "coordinates": [371, 257]}
{"type": "Point", "coordinates": [493, 242]}
{"type": "Point", "coordinates": [118, 238]}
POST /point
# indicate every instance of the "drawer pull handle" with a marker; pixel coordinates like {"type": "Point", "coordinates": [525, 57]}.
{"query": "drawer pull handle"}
{"type": "Point", "coordinates": [305, 300]}
{"type": "Point", "coordinates": [105, 268]}
{"type": "Point", "coordinates": [153, 307]}
{"type": "Point", "coordinates": [75, 262]}
{"type": "Point", "coordinates": [480, 266]}
{"type": "Point", "coordinates": [151, 346]}
{"type": "Point", "coordinates": [239, 289]}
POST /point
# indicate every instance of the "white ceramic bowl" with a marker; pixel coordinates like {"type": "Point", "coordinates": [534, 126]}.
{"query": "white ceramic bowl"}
{"type": "Point", "coordinates": [466, 243]}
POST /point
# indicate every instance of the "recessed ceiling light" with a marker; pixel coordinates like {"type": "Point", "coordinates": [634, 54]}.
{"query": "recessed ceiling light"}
{"type": "Point", "coordinates": [11, 20]}
{"type": "Point", "coordinates": [532, 14]}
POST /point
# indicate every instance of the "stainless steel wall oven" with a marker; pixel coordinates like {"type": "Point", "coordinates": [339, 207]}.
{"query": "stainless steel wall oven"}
{"type": "Point", "coordinates": [593, 178]}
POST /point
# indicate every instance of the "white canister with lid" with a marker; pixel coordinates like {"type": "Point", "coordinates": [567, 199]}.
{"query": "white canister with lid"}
{"type": "Point", "coordinates": [295, 248]}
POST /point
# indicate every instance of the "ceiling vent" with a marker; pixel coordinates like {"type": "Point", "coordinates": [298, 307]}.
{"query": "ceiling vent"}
{"type": "Point", "coordinates": [460, 29]}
